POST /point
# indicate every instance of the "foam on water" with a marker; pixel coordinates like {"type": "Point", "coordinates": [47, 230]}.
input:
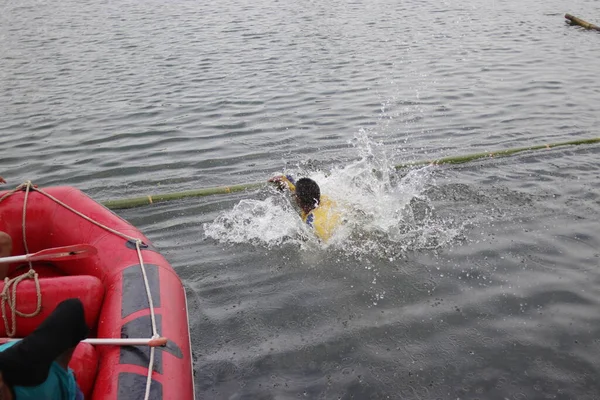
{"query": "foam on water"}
{"type": "Point", "coordinates": [385, 213]}
{"type": "Point", "coordinates": [270, 222]}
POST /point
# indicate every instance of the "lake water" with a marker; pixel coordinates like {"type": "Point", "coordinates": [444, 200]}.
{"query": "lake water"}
{"type": "Point", "coordinates": [473, 282]}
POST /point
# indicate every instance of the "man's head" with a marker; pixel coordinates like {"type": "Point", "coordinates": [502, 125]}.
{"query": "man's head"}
{"type": "Point", "coordinates": [308, 194]}
{"type": "Point", "coordinates": [5, 244]}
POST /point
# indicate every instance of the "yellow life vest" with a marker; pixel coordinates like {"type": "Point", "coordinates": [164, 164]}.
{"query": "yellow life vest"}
{"type": "Point", "coordinates": [324, 218]}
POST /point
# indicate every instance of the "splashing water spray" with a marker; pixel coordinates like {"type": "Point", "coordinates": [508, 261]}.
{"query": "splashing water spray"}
{"type": "Point", "coordinates": [384, 214]}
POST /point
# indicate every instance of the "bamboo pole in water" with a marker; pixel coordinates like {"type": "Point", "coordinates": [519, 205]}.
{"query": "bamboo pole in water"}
{"type": "Point", "coordinates": [499, 153]}
{"type": "Point", "coordinates": [580, 22]}
{"type": "Point", "coordinates": [158, 198]}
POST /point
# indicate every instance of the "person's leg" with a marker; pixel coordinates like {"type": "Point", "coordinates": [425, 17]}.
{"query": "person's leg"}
{"type": "Point", "coordinates": [65, 358]}
{"type": "Point", "coordinates": [27, 363]}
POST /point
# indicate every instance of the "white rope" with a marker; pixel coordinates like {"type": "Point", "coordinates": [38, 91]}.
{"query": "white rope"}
{"type": "Point", "coordinates": [111, 230]}
{"type": "Point", "coordinates": [6, 295]}
{"type": "Point", "coordinates": [15, 190]}
{"type": "Point", "coordinates": [11, 299]}
{"type": "Point", "coordinates": [155, 334]}
{"type": "Point", "coordinates": [137, 242]}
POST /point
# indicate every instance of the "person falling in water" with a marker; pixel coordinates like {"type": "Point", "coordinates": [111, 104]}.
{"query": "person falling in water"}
{"type": "Point", "coordinates": [317, 211]}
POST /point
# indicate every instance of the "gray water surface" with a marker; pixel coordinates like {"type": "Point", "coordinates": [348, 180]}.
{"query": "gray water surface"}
{"type": "Point", "coordinates": [131, 98]}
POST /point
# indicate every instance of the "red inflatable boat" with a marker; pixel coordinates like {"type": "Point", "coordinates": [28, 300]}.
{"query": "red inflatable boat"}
{"type": "Point", "coordinates": [128, 290]}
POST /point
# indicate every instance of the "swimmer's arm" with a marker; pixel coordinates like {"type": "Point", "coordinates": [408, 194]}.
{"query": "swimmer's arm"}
{"type": "Point", "coordinates": [2, 180]}
{"type": "Point", "coordinates": [283, 181]}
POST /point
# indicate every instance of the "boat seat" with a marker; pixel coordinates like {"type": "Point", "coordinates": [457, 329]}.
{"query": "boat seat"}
{"type": "Point", "coordinates": [43, 269]}
{"type": "Point", "coordinates": [86, 288]}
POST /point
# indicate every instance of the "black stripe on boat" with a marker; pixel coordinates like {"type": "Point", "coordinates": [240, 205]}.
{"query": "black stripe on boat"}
{"type": "Point", "coordinates": [140, 355]}
{"type": "Point", "coordinates": [133, 386]}
{"type": "Point", "coordinates": [134, 291]}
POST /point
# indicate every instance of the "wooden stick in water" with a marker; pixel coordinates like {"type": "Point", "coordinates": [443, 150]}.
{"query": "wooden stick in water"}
{"type": "Point", "coordinates": [580, 22]}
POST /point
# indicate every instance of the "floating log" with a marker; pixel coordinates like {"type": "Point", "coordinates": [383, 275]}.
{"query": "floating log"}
{"type": "Point", "coordinates": [580, 22]}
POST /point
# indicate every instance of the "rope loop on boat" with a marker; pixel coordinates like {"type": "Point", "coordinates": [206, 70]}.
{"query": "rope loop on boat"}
{"type": "Point", "coordinates": [10, 297]}
{"type": "Point", "coordinates": [138, 243]}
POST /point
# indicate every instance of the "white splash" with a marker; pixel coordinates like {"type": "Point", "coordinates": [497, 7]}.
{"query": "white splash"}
{"type": "Point", "coordinates": [384, 214]}
{"type": "Point", "coordinates": [270, 222]}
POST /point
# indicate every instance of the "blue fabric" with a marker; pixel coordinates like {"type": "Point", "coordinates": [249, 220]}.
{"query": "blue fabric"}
{"type": "Point", "coordinates": [79, 394]}
{"type": "Point", "coordinates": [310, 219]}
{"type": "Point", "coordinates": [60, 384]}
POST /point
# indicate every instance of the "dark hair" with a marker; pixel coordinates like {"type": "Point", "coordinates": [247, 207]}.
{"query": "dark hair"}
{"type": "Point", "coordinates": [308, 192]}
